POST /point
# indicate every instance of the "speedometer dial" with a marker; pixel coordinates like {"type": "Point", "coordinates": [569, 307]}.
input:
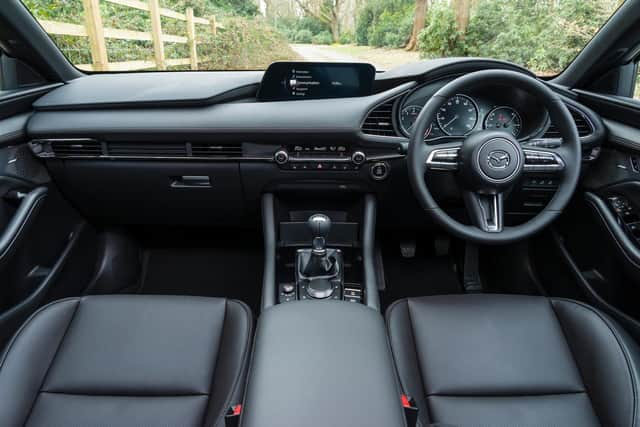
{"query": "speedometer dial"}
{"type": "Point", "coordinates": [504, 118]}
{"type": "Point", "coordinates": [408, 117]}
{"type": "Point", "coordinates": [458, 116]}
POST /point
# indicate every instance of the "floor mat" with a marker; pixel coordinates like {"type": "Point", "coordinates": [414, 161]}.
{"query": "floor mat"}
{"type": "Point", "coordinates": [424, 274]}
{"type": "Point", "coordinates": [231, 269]}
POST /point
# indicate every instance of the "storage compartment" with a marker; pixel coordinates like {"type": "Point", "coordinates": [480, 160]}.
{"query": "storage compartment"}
{"type": "Point", "coordinates": [158, 192]}
{"type": "Point", "coordinates": [319, 364]}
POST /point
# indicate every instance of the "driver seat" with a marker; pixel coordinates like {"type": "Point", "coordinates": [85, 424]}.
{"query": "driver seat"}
{"type": "Point", "coordinates": [497, 360]}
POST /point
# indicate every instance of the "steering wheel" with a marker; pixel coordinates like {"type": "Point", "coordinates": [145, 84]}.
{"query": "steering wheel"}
{"type": "Point", "coordinates": [488, 163]}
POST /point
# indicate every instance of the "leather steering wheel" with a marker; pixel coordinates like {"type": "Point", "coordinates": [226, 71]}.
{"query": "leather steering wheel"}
{"type": "Point", "coordinates": [489, 163]}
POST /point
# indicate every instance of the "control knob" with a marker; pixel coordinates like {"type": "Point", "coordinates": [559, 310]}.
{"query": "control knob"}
{"type": "Point", "coordinates": [281, 157]}
{"type": "Point", "coordinates": [358, 158]}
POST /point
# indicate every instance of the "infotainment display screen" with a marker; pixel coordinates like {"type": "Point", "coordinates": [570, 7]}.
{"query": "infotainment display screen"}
{"type": "Point", "coordinates": [287, 81]}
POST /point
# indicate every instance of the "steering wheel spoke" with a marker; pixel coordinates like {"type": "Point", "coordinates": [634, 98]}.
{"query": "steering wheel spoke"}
{"type": "Point", "coordinates": [486, 210]}
{"type": "Point", "coordinates": [443, 157]}
{"type": "Point", "coordinates": [548, 160]}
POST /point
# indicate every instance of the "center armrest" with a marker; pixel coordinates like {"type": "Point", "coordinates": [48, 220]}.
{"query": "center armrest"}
{"type": "Point", "coordinates": [322, 364]}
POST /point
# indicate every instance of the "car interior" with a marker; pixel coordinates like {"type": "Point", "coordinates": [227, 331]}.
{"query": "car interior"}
{"type": "Point", "coordinates": [452, 242]}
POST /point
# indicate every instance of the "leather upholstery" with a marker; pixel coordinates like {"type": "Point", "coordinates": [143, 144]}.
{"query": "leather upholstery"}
{"type": "Point", "coordinates": [514, 360]}
{"type": "Point", "coordinates": [126, 360]}
{"type": "Point", "coordinates": [322, 364]}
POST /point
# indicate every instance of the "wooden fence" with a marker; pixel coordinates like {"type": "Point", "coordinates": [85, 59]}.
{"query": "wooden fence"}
{"type": "Point", "coordinates": [97, 34]}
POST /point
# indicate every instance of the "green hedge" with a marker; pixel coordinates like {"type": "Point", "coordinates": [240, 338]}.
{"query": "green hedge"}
{"type": "Point", "coordinates": [385, 23]}
{"type": "Point", "coordinates": [542, 35]}
{"type": "Point", "coordinates": [301, 30]}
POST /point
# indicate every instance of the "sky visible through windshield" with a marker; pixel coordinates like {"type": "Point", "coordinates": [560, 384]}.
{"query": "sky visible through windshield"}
{"type": "Point", "coordinates": [151, 35]}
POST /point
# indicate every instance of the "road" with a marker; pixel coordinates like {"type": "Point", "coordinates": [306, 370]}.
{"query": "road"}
{"type": "Point", "coordinates": [381, 58]}
{"type": "Point", "coordinates": [320, 53]}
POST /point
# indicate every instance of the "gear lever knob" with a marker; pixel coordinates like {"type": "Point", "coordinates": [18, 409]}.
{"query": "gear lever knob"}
{"type": "Point", "coordinates": [319, 226]}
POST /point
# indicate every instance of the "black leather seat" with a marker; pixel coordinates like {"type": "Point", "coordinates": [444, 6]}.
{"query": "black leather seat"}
{"type": "Point", "coordinates": [485, 360]}
{"type": "Point", "coordinates": [126, 361]}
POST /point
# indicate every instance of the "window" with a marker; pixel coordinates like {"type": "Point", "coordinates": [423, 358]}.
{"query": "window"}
{"type": "Point", "coordinates": [126, 35]}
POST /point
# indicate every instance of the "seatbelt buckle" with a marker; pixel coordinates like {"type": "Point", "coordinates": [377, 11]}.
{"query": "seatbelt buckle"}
{"type": "Point", "coordinates": [410, 410]}
{"type": "Point", "coordinates": [232, 417]}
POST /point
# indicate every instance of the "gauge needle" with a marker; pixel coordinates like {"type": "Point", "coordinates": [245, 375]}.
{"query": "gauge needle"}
{"type": "Point", "coordinates": [452, 120]}
{"type": "Point", "coordinates": [513, 116]}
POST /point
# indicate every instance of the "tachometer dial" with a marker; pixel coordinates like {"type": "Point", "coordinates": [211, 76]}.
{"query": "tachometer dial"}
{"type": "Point", "coordinates": [504, 118]}
{"type": "Point", "coordinates": [408, 117]}
{"type": "Point", "coordinates": [458, 116]}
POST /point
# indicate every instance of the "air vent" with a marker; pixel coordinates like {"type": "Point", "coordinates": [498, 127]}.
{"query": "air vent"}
{"type": "Point", "coordinates": [204, 149]}
{"type": "Point", "coordinates": [76, 148]}
{"type": "Point", "coordinates": [380, 120]}
{"type": "Point", "coordinates": [582, 123]}
{"type": "Point", "coordinates": [146, 150]}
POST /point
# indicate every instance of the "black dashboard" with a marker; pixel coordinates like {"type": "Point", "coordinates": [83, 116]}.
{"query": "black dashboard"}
{"type": "Point", "coordinates": [125, 147]}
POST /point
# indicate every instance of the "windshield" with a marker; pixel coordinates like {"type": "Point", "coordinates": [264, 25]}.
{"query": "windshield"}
{"type": "Point", "coordinates": [139, 35]}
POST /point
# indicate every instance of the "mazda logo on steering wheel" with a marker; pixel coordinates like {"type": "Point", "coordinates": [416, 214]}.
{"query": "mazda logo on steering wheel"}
{"type": "Point", "coordinates": [498, 159]}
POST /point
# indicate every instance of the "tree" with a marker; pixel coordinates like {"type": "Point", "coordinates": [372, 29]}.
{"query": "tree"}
{"type": "Point", "coordinates": [462, 9]}
{"type": "Point", "coordinates": [327, 11]}
{"type": "Point", "coordinates": [418, 23]}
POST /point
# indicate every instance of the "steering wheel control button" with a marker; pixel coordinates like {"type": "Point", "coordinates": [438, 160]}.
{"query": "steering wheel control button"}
{"type": "Point", "coordinates": [443, 159]}
{"type": "Point", "coordinates": [379, 171]}
{"type": "Point", "coordinates": [281, 157]}
{"type": "Point", "coordinates": [358, 157]}
{"type": "Point", "coordinates": [542, 161]}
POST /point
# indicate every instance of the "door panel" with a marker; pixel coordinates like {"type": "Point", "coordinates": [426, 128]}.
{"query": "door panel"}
{"type": "Point", "coordinates": [599, 236]}
{"type": "Point", "coordinates": [39, 230]}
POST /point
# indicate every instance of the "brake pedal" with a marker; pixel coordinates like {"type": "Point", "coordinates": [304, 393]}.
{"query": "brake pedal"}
{"type": "Point", "coordinates": [408, 249]}
{"type": "Point", "coordinates": [442, 245]}
{"type": "Point", "coordinates": [472, 282]}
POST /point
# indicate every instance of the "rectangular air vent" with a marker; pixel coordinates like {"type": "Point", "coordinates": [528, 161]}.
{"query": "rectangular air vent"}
{"type": "Point", "coordinates": [146, 150]}
{"type": "Point", "coordinates": [206, 149]}
{"type": "Point", "coordinates": [583, 125]}
{"type": "Point", "coordinates": [76, 148]}
{"type": "Point", "coordinates": [380, 120]}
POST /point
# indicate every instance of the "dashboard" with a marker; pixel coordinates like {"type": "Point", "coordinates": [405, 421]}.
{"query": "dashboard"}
{"type": "Point", "coordinates": [490, 107]}
{"type": "Point", "coordinates": [202, 147]}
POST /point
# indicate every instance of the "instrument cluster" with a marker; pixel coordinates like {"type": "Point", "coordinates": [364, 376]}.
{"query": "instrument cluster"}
{"type": "Point", "coordinates": [497, 108]}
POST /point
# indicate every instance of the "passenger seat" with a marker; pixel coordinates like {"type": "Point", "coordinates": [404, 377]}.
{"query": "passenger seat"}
{"type": "Point", "coordinates": [126, 360]}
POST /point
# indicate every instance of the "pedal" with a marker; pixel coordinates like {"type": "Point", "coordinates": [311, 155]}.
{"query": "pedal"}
{"type": "Point", "coordinates": [442, 245]}
{"type": "Point", "coordinates": [408, 249]}
{"type": "Point", "coordinates": [472, 282]}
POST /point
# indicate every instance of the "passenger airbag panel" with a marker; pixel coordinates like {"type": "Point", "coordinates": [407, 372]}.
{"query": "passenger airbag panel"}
{"type": "Point", "coordinates": [139, 192]}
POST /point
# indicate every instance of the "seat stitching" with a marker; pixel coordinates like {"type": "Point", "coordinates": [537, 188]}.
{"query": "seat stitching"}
{"type": "Point", "coordinates": [511, 394]}
{"type": "Point", "coordinates": [215, 368]}
{"type": "Point", "coordinates": [615, 334]}
{"type": "Point", "coordinates": [243, 362]}
{"type": "Point", "coordinates": [415, 347]}
{"type": "Point", "coordinates": [64, 393]}
{"type": "Point", "coordinates": [46, 374]}
{"type": "Point", "coordinates": [566, 341]}
{"type": "Point", "coordinates": [24, 326]}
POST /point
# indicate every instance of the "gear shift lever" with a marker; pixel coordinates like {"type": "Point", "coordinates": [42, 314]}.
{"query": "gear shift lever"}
{"type": "Point", "coordinates": [319, 269]}
{"type": "Point", "coordinates": [318, 263]}
{"type": "Point", "coordinates": [319, 225]}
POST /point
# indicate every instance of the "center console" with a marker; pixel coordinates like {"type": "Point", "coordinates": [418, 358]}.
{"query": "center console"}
{"type": "Point", "coordinates": [318, 248]}
{"type": "Point", "coordinates": [336, 358]}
